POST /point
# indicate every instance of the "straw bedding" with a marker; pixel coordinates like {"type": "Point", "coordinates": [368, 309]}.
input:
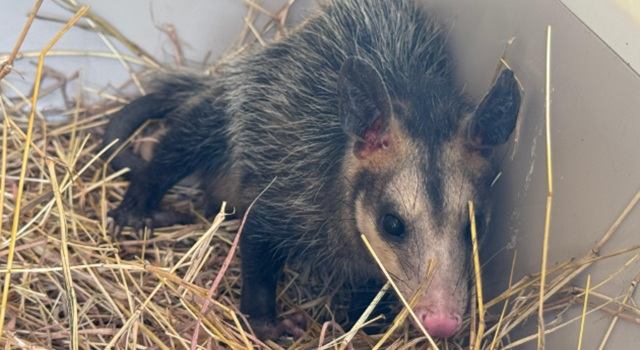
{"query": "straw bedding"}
{"type": "Point", "coordinates": [69, 284]}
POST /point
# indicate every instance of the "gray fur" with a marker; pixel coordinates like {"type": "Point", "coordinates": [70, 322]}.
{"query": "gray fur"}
{"type": "Point", "coordinates": [273, 113]}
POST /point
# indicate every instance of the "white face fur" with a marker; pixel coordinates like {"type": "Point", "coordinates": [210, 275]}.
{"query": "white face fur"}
{"type": "Point", "coordinates": [431, 232]}
{"type": "Point", "coordinates": [414, 174]}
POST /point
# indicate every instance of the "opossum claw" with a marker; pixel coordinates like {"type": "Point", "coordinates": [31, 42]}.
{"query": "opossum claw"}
{"type": "Point", "coordinates": [293, 326]}
{"type": "Point", "coordinates": [123, 217]}
{"type": "Point", "coordinates": [114, 229]}
{"type": "Point", "coordinates": [148, 223]}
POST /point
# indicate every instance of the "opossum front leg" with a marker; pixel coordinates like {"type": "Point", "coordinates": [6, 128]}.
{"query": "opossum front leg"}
{"type": "Point", "coordinates": [260, 274]}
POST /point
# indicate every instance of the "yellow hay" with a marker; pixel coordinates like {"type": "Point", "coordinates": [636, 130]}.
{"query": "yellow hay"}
{"type": "Point", "coordinates": [69, 284]}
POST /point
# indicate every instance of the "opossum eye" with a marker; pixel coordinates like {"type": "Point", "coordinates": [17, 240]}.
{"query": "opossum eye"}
{"type": "Point", "coordinates": [392, 225]}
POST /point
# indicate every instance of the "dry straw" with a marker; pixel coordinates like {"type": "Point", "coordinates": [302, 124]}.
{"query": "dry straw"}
{"type": "Point", "coordinates": [69, 285]}
{"type": "Point", "coordinates": [549, 204]}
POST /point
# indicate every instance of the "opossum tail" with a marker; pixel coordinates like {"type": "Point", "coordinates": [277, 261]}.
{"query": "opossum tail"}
{"type": "Point", "coordinates": [168, 92]}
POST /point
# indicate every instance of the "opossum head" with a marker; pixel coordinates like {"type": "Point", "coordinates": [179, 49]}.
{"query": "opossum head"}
{"type": "Point", "coordinates": [414, 163]}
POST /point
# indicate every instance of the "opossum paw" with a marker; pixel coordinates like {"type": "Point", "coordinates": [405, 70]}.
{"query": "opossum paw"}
{"type": "Point", "coordinates": [123, 217]}
{"type": "Point", "coordinates": [126, 218]}
{"type": "Point", "coordinates": [293, 326]}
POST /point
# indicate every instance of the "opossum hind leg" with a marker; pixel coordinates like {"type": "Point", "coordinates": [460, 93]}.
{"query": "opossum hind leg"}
{"type": "Point", "coordinates": [194, 144]}
{"type": "Point", "coordinates": [139, 208]}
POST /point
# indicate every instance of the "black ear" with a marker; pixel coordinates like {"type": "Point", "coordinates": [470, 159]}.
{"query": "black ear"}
{"type": "Point", "coordinates": [364, 104]}
{"type": "Point", "coordinates": [495, 117]}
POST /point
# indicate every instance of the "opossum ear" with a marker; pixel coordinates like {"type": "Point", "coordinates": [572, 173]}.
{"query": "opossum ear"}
{"type": "Point", "coordinates": [364, 105]}
{"type": "Point", "coordinates": [495, 117]}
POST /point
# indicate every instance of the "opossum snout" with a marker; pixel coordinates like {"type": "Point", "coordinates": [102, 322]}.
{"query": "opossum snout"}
{"type": "Point", "coordinates": [440, 310]}
{"type": "Point", "coordinates": [439, 323]}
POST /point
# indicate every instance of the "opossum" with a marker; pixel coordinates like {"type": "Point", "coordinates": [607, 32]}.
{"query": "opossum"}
{"type": "Point", "coordinates": [351, 125]}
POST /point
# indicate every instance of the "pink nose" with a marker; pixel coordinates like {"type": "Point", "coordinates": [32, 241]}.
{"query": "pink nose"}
{"type": "Point", "coordinates": [439, 324]}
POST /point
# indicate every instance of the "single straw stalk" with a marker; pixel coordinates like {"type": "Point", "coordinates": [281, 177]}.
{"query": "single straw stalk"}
{"type": "Point", "coordinates": [79, 53]}
{"type": "Point", "coordinates": [473, 318]}
{"type": "Point", "coordinates": [584, 311]}
{"type": "Point", "coordinates": [407, 306]}
{"type": "Point", "coordinates": [478, 278]}
{"type": "Point", "coordinates": [64, 251]}
{"type": "Point", "coordinates": [3, 161]}
{"type": "Point", "coordinates": [25, 160]}
{"type": "Point", "coordinates": [547, 219]}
